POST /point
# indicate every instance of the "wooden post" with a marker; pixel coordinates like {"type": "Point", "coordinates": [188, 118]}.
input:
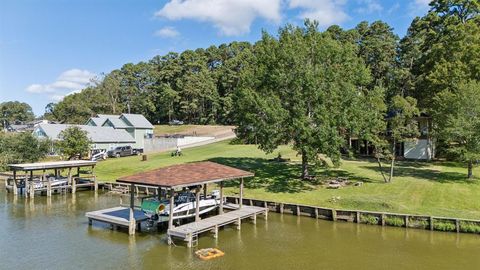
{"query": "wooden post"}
{"type": "Point", "coordinates": [49, 184]}
{"type": "Point", "coordinates": [406, 221]}
{"type": "Point", "coordinates": [26, 187]}
{"type": "Point", "coordinates": [239, 223]}
{"type": "Point", "coordinates": [74, 185]}
{"type": "Point", "coordinates": [241, 194]}
{"type": "Point", "coordinates": [220, 210]}
{"type": "Point", "coordinates": [215, 232]}
{"type": "Point", "coordinates": [204, 191]}
{"type": "Point", "coordinates": [254, 218]}
{"type": "Point", "coordinates": [334, 214]}
{"type": "Point", "coordinates": [32, 186]}
{"type": "Point", "coordinates": [95, 183]}
{"type": "Point", "coordinates": [431, 223]}
{"type": "Point", "coordinates": [281, 208]}
{"type": "Point", "coordinates": [132, 223]}
{"type": "Point", "coordinates": [457, 225]}
{"type": "Point", "coordinates": [15, 188]}
{"type": "Point", "coordinates": [316, 212]}
{"type": "Point", "coordinates": [383, 219]}
{"type": "Point", "coordinates": [358, 217]}
{"type": "Point", "coordinates": [170, 213]}
{"type": "Point", "coordinates": [298, 210]}
{"type": "Point", "coordinates": [197, 204]}
{"type": "Point", "coordinates": [69, 177]}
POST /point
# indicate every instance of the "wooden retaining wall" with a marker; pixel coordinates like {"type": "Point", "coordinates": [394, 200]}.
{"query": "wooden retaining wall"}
{"type": "Point", "coordinates": [368, 217]}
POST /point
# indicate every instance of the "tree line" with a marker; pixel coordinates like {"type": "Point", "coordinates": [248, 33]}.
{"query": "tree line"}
{"type": "Point", "coordinates": [315, 89]}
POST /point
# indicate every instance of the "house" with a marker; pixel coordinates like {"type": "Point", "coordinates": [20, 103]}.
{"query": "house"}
{"type": "Point", "coordinates": [104, 138]}
{"type": "Point", "coordinates": [25, 127]}
{"type": "Point", "coordinates": [420, 148]}
{"type": "Point", "coordinates": [136, 125]}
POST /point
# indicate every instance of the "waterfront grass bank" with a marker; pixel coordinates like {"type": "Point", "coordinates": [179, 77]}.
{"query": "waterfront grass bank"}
{"type": "Point", "coordinates": [437, 188]}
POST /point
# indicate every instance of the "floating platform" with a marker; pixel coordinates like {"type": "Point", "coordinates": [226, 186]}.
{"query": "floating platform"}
{"type": "Point", "coordinates": [189, 232]}
{"type": "Point", "coordinates": [116, 216]}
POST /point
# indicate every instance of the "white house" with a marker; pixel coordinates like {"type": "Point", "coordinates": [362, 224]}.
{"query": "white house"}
{"type": "Point", "coordinates": [102, 137]}
{"type": "Point", "coordinates": [106, 131]}
{"type": "Point", "coordinates": [136, 125]}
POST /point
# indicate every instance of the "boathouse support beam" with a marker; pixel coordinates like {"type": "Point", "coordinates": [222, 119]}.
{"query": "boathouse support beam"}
{"type": "Point", "coordinates": [131, 224]}
{"type": "Point", "coordinates": [49, 184]}
{"type": "Point", "coordinates": [241, 193]}
{"type": "Point", "coordinates": [197, 204]}
{"type": "Point", "coordinates": [220, 210]}
{"type": "Point", "coordinates": [170, 211]}
{"type": "Point", "coordinates": [15, 187]}
{"type": "Point", "coordinates": [32, 186]}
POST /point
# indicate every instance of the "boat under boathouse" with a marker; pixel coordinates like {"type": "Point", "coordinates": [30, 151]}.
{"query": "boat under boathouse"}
{"type": "Point", "coordinates": [36, 180]}
{"type": "Point", "coordinates": [173, 179]}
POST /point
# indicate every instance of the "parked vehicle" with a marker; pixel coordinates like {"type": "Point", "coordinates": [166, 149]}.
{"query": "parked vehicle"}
{"type": "Point", "coordinates": [120, 151]}
{"type": "Point", "coordinates": [99, 154]}
{"type": "Point", "coordinates": [175, 122]}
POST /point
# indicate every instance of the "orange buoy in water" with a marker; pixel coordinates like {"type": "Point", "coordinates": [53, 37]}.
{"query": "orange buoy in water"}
{"type": "Point", "coordinates": [209, 253]}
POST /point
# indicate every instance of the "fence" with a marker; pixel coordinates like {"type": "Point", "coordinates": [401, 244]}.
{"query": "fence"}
{"type": "Point", "coordinates": [368, 217]}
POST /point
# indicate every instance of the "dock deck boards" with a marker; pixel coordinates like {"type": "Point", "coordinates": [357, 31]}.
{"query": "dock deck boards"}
{"type": "Point", "coordinates": [190, 230]}
{"type": "Point", "coordinates": [116, 216]}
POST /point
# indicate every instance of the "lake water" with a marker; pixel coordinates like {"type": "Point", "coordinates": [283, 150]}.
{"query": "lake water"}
{"type": "Point", "coordinates": [53, 233]}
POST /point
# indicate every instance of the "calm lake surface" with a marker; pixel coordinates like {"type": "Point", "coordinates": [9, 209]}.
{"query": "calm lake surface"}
{"type": "Point", "coordinates": [53, 233]}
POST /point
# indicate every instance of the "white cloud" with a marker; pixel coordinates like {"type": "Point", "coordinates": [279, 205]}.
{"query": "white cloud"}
{"type": "Point", "coordinates": [232, 17]}
{"type": "Point", "coordinates": [418, 7]}
{"type": "Point", "coordinates": [369, 6]}
{"type": "Point", "coordinates": [68, 82]}
{"type": "Point", "coordinates": [326, 12]}
{"type": "Point", "coordinates": [167, 32]}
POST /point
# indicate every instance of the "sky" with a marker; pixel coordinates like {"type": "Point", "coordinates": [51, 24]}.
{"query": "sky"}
{"type": "Point", "coordinates": [52, 48]}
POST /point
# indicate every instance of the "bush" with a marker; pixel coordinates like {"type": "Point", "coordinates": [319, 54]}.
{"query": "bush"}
{"type": "Point", "coordinates": [369, 219]}
{"type": "Point", "coordinates": [470, 227]}
{"type": "Point", "coordinates": [445, 226]}
{"type": "Point", "coordinates": [395, 221]}
{"type": "Point", "coordinates": [418, 223]}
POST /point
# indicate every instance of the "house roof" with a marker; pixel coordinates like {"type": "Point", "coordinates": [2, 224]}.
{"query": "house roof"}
{"type": "Point", "coordinates": [189, 174]}
{"type": "Point", "coordinates": [116, 122]}
{"type": "Point", "coordinates": [136, 120]}
{"type": "Point", "coordinates": [51, 165]}
{"type": "Point", "coordinates": [96, 134]}
{"type": "Point", "coordinates": [97, 121]}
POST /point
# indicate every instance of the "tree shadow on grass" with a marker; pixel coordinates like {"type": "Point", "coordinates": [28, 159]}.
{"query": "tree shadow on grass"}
{"type": "Point", "coordinates": [278, 177]}
{"type": "Point", "coordinates": [406, 170]}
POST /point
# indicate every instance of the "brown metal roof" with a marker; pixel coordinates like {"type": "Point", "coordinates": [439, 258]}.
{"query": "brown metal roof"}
{"type": "Point", "coordinates": [188, 174]}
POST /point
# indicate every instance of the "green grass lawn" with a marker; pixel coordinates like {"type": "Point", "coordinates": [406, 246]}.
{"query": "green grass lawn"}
{"type": "Point", "coordinates": [439, 189]}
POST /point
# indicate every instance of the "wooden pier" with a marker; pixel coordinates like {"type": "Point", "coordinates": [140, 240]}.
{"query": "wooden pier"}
{"type": "Point", "coordinates": [190, 231]}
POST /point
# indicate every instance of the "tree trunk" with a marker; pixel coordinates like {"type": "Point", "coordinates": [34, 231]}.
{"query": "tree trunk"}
{"type": "Point", "coordinates": [304, 164]}
{"type": "Point", "coordinates": [381, 170]}
{"type": "Point", "coordinates": [392, 164]}
{"type": "Point", "coordinates": [470, 169]}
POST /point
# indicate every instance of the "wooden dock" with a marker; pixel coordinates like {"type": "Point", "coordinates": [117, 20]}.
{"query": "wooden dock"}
{"type": "Point", "coordinates": [117, 216]}
{"type": "Point", "coordinates": [189, 232]}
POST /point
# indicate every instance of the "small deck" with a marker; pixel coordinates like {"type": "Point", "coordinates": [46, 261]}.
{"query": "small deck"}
{"type": "Point", "coordinates": [189, 232]}
{"type": "Point", "coordinates": [116, 216]}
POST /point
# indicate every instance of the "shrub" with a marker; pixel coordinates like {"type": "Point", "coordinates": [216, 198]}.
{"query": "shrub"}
{"type": "Point", "coordinates": [470, 227]}
{"type": "Point", "coordinates": [369, 219]}
{"type": "Point", "coordinates": [445, 226]}
{"type": "Point", "coordinates": [395, 221]}
{"type": "Point", "coordinates": [418, 223]}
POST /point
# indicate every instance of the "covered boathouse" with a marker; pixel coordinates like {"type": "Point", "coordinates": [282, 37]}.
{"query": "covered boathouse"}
{"type": "Point", "coordinates": [30, 178]}
{"type": "Point", "coordinates": [174, 178]}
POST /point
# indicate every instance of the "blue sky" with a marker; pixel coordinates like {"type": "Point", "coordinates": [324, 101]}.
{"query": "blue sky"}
{"type": "Point", "coordinates": [51, 48]}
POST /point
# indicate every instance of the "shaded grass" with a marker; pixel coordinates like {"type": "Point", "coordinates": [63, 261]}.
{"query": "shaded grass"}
{"type": "Point", "coordinates": [438, 188]}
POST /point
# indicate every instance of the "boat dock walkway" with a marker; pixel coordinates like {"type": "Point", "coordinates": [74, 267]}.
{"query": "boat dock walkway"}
{"type": "Point", "coordinates": [189, 232]}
